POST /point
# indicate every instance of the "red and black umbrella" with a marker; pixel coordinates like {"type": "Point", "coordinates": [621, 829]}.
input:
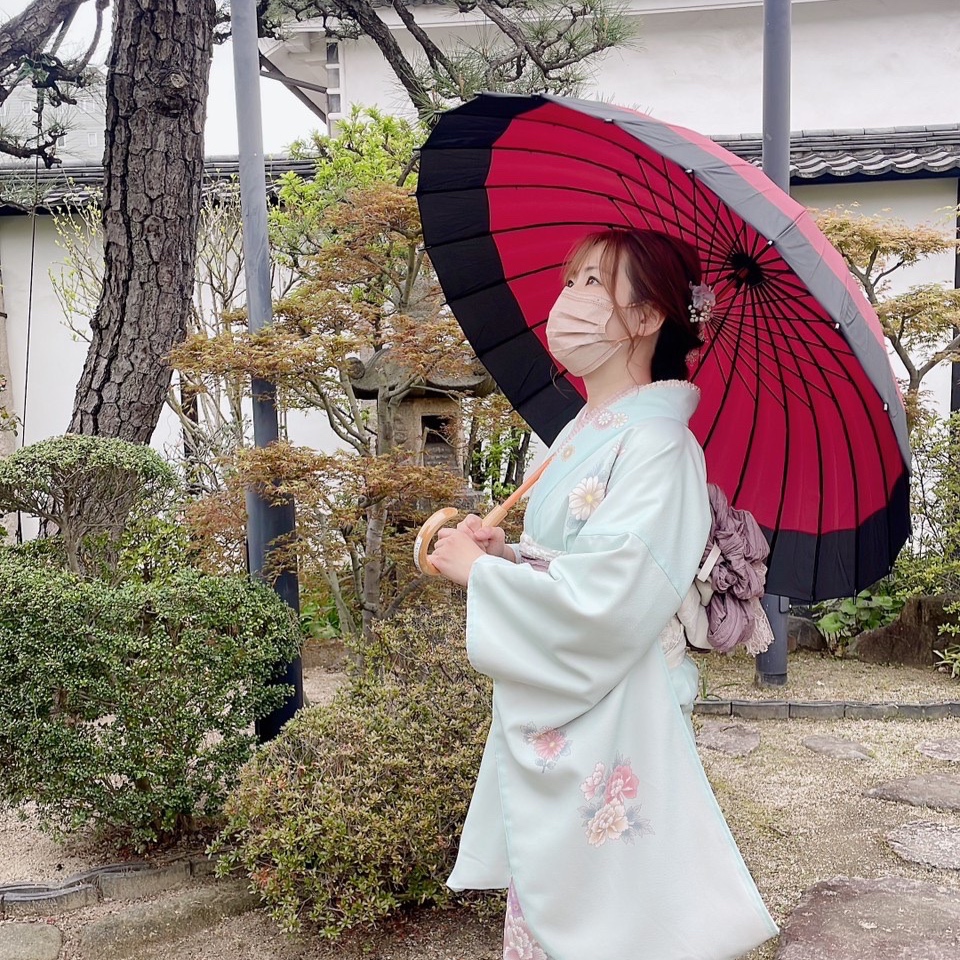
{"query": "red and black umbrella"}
{"type": "Point", "coordinates": [800, 418]}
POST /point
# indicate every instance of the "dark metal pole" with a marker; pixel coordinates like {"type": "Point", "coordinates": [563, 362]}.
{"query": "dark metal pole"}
{"type": "Point", "coordinates": [268, 524]}
{"type": "Point", "coordinates": [955, 366]}
{"type": "Point", "coordinates": [772, 665]}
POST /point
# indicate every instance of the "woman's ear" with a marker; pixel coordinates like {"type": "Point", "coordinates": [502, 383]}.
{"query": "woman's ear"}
{"type": "Point", "coordinates": [651, 319]}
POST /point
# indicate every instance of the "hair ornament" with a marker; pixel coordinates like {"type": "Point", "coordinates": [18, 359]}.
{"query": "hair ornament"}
{"type": "Point", "coordinates": [702, 301]}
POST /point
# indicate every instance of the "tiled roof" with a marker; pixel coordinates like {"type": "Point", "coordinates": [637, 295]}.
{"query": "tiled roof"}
{"type": "Point", "coordinates": [74, 185]}
{"type": "Point", "coordinates": [831, 155]}
{"type": "Point", "coordinates": [817, 156]}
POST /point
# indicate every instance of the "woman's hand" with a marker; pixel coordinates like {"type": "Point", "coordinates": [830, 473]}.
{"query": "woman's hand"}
{"type": "Point", "coordinates": [455, 554]}
{"type": "Point", "coordinates": [489, 539]}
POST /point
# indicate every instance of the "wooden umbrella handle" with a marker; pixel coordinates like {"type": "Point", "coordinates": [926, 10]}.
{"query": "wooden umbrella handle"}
{"type": "Point", "coordinates": [494, 518]}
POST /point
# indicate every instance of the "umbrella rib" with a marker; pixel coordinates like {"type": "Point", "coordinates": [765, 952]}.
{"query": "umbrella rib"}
{"type": "Point", "coordinates": [726, 388]}
{"type": "Point", "coordinates": [717, 207]}
{"type": "Point", "coordinates": [864, 405]}
{"type": "Point", "coordinates": [844, 425]}
{"type": "Point", "coordinates": [786, 452]}
{"type": "Point", "coordinates": [753, 427]}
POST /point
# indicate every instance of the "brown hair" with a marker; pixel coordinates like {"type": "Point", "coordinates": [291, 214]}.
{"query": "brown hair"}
{"type": "Point", "coordinates": [660, 270]}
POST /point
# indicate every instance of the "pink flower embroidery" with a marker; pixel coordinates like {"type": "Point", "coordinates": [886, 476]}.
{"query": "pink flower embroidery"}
{"type": "Point", "coordinates": [606, 815]}
{"type": "Point", "coordinates": [609, 822]}
{"type": "Point", "coordinates": [594, 782]}
{"type": "Point", "coordinates": [622, 785]}
{"type": "Point", "coordinates": [549, 744]}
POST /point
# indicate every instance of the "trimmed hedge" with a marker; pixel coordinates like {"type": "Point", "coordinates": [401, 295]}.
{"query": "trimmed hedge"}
{"type": "Point", "coordinates": [129, 707]}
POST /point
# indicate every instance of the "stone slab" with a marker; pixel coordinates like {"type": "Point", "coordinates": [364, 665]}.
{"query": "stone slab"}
{"type": "Point", "coordinates": [839, 748]}
{"type": "Point", "coordinates": [712, 708]}
{"type": "Point", "coordinates": [48, 902]}
{"type": "Point", "coordinates": [131, 930]}
{"type": "Point", "coordinates": [30, 941]}
{"type": "Point", "coordinates": [760, 709]}
{"type": "Point", "coordinates": [947, 749]}
{"type": "Point", "coordinates": [885, 919]}
{"type": "Point", "coordinates": [120, 884]}
{"type": "Point", "coordinates": [933, 790]}
{"type": "Point", "coordinates": [933, 844]}
{"type": "Point", "coordinates": [817, 710]}
{"type": "Point", "coordinates": [733, 739]}
{"type": "Point", "coordinates": [854, 710]}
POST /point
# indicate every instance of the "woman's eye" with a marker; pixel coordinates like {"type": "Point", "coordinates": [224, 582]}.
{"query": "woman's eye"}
{"type": "Point", "coordinates": [592, 280]}
{"type": "Point", "coordinates": [569, 283]}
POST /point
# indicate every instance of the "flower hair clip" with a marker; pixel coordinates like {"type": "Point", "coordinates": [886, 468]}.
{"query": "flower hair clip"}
{"type": "Point", "coordinates": [702, 301]}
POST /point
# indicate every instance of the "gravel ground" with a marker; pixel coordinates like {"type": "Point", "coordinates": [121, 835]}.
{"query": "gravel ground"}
{"type": "Point", "coordinates": [814, 676]}
{"type": "Point", "coordinates": [798, 817]}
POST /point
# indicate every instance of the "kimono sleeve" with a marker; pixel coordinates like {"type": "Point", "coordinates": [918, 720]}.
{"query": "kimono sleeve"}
{"type": "Point", "coordinates": [578, 628]}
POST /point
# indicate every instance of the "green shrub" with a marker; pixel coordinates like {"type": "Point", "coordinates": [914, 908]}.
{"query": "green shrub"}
{"type": "Point", "coordinates": [89, 489]}
{"type": "Point", "coordinates": [950, 654]}
{"type": "Point", "coordinates": [950, 659]}
{"type": "Point", "coordinates": [841, 620]}
{"type": "Point", "coordinates": [129, 707]}
{"type": "Point", "coordinates": [356, 808]}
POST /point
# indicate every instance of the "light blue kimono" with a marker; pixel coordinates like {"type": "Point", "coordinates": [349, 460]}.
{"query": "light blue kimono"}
{"type": "Point", "coordinates": [590, 795]}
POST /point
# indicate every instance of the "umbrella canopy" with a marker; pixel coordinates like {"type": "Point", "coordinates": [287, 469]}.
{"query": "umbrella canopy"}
{"type": "Point", "coordinates": [801, 419]}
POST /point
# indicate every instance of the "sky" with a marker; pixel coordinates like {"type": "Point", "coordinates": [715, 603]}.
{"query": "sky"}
{"type": "Point", "coordinates": [284, 118]}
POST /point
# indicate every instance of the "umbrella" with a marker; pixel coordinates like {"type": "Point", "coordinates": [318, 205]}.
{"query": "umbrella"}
{"type": "Point", "coordinates": [801, 419]}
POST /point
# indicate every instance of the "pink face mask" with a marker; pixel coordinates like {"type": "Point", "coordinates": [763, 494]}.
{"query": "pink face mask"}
{"type": "Point", "coordinates": [577, 331]}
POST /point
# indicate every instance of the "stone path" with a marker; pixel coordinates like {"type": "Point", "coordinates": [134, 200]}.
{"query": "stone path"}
{"type": "Point", "coordinates": [733, 739]}
{"type": "Point", "coordinates": [933, 844]}
{"type": "Point", "coordinates": [933, 790]}
{"type": "Point", "coordinates": [29, 941]}
{"type": "Point", "coordinates": [941, 749]}
{"type": "Point", "coordinates": [838, 747]}
{"type": "Point", "coordinates": [868, 917]}
{"type": "Point", "coordinates": [885, 919]}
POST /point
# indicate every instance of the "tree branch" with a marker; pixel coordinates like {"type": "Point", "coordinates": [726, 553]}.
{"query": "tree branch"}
{"type": "Point", "coordinates": [951, 349]}
{"type": "Point", "coordinates": [901, 352]}
{"type": "Point", "coordinates": [365, 15]}
{"type": "Point", "coordinates": [26, 34]}
{"type": "Point", "coordinates": [435, 56]}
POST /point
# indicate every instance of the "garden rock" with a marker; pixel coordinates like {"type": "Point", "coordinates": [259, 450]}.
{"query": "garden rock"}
{"type": "Point", "coordinates": [802, 634]}
{"type": "Point", "coordinates": [932, 790]}
{"type": "Point", "coordinates": [879, 919]}
{"type": "Point", "coordinates": [838, 747]}
{"type": "Point", "coordinates": [948, 749]}
{"type": "Point", "coordinates": [932, 844]}
{"type": "Point", "coordinates": [733, 739]}
{"type": "Point", "coordinates": [29, 941]}
{"type": "Point", "coordinates": [911, 639]}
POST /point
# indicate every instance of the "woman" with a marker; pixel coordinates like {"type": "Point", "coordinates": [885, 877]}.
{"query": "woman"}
{"type": "Point", "coordinates": [591, 804]}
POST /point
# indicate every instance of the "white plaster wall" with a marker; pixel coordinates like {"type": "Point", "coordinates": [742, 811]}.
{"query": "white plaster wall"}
{"type": "Point", "coordinates": [855, 63]}
{"type": "Point", "coordinates": [56, 358]}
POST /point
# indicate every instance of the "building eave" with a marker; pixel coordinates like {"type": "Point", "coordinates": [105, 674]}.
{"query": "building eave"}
{"type": "Point", "coordinates": [817, 157]}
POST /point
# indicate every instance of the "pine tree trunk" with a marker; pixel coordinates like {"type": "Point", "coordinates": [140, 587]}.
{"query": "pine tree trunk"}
{"type": "Point", "coordinates": [156, 106]}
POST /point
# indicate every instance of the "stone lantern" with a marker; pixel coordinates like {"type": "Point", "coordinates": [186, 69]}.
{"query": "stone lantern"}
{"type": "Point", "coordinates": [428, 422]}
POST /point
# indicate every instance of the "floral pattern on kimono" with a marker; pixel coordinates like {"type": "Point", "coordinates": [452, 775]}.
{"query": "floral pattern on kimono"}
{"type": "Point", "coordinates": [518, 942]}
